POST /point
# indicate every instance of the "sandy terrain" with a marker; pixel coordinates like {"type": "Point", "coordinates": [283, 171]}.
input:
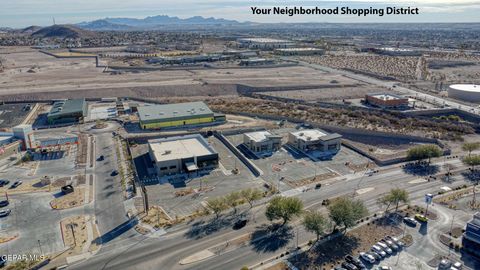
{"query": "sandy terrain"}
{"type": "Point", "coordinates": [28, 71]}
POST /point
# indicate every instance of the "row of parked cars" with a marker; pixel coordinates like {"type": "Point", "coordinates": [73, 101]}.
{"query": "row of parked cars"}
{"type": "Point", "coordinates": [4, 182]}
{"type": "Point", "coordinates": [380, 250]}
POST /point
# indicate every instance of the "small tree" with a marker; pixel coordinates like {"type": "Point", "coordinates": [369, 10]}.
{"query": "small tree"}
{"type": "Point", "coordinates": [316, 223]}
{"type": "Point", "coordinates": [469, 147]}
{"type": "Point", "coordinates": [251, 195]}
{"type": "Point", "coordinates": [233, 200]}
{"type": "Point", "coordinates": [426, 151]}
{"type": "Point", "coordinates": [284, 208]}
{"type": "Point", "coordinates": [345, 212]}
{"type": "Point", "coordinates": [395, 196]}
{"type": "Point", "coordinates": [472, 160]}
{"type": "Point", "coordinates": [216, 205]}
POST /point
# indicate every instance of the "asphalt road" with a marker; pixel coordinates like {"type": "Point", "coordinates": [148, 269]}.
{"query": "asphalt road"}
{"type": "Point", "coordinates": [166, 252]}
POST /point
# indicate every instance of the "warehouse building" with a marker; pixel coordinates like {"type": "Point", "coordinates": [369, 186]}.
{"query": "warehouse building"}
{"type": "Point", "coordinates": [177, 115]}
{"type": "Point", "coordinates": [264, 43]}
{"type": "Point", "coordinates": [262, 141]}
{"type": "Point", "coordinates": [65, 111]}
{"type": "Point", "coordinates": [182, 154]}
{"type": "Point", "coordinates": [299, 51]}
{"type": "Point", "coordinates": [387, 101]}
{"type": "Point", "coordinates": [471, 237]}
{"type": "Point", "coordinates": [314, 140]}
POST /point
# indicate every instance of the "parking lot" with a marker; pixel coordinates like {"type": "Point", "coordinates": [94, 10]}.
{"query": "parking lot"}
{"type": "Point", "coordinates": [218, 182]}
{"type": "Point", "coordinates": [33, 220]}
{"type": "Point", "coordinates": [289, 166]}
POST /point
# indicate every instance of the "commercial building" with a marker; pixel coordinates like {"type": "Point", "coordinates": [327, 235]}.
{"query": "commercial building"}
{"type": "Point", "coordinates": [256, 62]}
{"type": "Point", "coordinates": [264, 43]}
{"type": "Point", "coordinates": [65, 111]}
{"type": "Point", "coordinates": [471, 237]}
{"type": "Point", "coordinates": [315, 140]}
{"type": "Point", "coordinates": [25, 134]}
{"type": "Point", "coordinates": [299, 51]}
{"type": "Point", "coordinates": [262, 141]}
{"type": "Point", "coordinates": [182, 154]}
{"type": "Point", "coordinates": [177, 115]}
{"type": "Point", "coordinates": [466, 92]}
{"type": "Point", "coordinates": [386, 100]}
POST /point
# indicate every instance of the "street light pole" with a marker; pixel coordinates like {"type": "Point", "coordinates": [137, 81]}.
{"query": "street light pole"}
{"type": "Point", "coordinates": [40, 247]}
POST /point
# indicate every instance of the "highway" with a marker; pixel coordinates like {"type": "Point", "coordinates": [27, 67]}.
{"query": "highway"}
{"type": "Point", "coordinates": [140, 252]}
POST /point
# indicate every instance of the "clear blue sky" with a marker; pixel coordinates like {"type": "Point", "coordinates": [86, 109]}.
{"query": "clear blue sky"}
{"type": "Point", "coordinates": [21, 13]}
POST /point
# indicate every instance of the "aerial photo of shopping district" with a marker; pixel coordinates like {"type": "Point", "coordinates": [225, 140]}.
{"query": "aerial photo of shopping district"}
{"type": "Point", "coordinates": [227, 145]}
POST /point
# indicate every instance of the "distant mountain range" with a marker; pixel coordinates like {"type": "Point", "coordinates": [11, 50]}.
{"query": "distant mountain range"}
{"type": "Point", "coordinates": [154, 22]}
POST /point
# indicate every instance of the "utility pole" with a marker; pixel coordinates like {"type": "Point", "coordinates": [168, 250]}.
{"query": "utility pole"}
{"type": "Point", "coordinates": [40, 247]}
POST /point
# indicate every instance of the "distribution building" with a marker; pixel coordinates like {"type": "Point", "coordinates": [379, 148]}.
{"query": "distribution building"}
{"type": "Point", "coordinates": [66, 111]}
{"type": "Point", "coordinates": [182, 154]}
{"type": "Point", "coordinates": [177, 115]}
{"type": "Point", "coordinates": [262, 141]}
{"type": "Point", "coordinates": [311, 140]}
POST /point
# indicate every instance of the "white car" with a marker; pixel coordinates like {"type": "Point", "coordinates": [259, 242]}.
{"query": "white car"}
{"type": "Point", "coordinates": [457, 265]}
{"type": "Point", "coordinates": [385, 247]}
{"type": "Point", "coordinates": [379, 250]}
{"type": "Point", "coordinates": [383, 267]}
{"type": "Point", "coordinates": [367, 257]}
{"type": "Point", "coordinates": [4, 213]}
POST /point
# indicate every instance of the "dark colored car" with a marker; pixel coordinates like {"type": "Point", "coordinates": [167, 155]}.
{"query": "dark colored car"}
{"type": "Point", "coordinates": [67, 189]}
{"type": "Point", "coordinates": [355, 261]}
{"type": "Point", "coordinates": [3, 262]}
{"type": "Point", "coordinates": [4, 203]}
{"type": "Point", "coordinates": [349, 266]}
{"type": "Point", "coordinates": [240, 224]}
{"type": "Point", "coordinates": [318, 186]}
{"type": "Point", "coordinates": [16, 184]}
{"type": "Point", "coordinates": [114, 173]}
{"type": "Point", "coordinates": [100, 158]}
{"type": "Point", "coordinates": [4, 182]}
{"type": "Point", "coordinates": [410, 221]}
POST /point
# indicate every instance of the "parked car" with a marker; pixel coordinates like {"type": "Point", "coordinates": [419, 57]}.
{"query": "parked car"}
{"type": "Point", "coordinates": [349, 266]}
{"type": "Point", "coordinates": [384, 267]}
{"type": "Point", "coordinates": [339, 268]}
{"type": "Point", "coordinates": [445, 264]}
{"type": "Point", "coordinates": [410, 221]}
{"type": "Point", "coordinates": [395, 240]}
{"type": "Point", "coordinates": [355, 261]}
{"type": "Point", "coordinates": [367, 257]}
{"type": "Point", "coordinates": [379, 250]}
{"type": "Point", "coordinates": [318, 186]}
{"type": "Point", "coordinates": [67, 189]}
{"type": "Point", "coordinates": [375, 255]}
{"type": "Point", "coordinates": [4, 213]}
{"type": "Point", "coordinates": [457, 265]}
{"type": "Point", "coordinates": [3, 262]}
{"type": "Point", "coordinates": [114, 173]}
{"type": "Point", "coordinates": [100, 158]}
{"type": "Point", "coordinates": [421, 218]}
{"type": "Point", "coordinates": [4, 203]}
{"type": "Point", "coordinates": [16, 184]}
{"type": "Point", "coordinates": [385, 247]}
{"type": "Point", "coordinates": [4, 182]}
{"type": "Point", "coordinates": [240, 223]}
{"type": "Point", "coordinates": [390, 244]}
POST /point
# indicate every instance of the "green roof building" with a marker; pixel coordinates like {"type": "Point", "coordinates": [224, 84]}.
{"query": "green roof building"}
{"type": "Point", "coordinates": [176, 115]}
{"type": "Point", "coordinates": [71, 110]}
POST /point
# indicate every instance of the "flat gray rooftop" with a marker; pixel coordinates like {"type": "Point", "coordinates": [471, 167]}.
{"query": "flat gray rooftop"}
{"type": "Point", "coordinates": [173, 111]}
{"type": "Point", "coordinates": [180, 147]}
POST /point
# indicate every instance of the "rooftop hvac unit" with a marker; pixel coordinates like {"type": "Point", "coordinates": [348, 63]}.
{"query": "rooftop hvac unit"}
{"type": "Point", "coordinates": [309, 138]}
{"type": "Point", "coordinates": [168, 152]}
{"type": "Point", "coordinates": [301, 134]}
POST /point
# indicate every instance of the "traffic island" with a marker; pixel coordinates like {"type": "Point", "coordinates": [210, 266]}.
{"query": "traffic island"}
{"type": "Point", "coordinates": [70, 200]}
